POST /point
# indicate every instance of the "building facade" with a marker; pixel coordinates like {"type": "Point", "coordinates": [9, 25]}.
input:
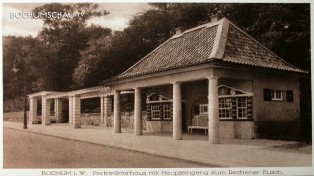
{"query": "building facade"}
{"type": "Point", "coordinates": [214, 78]}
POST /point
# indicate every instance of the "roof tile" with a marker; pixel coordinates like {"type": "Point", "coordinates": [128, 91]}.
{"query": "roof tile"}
{"type": "Point", "coordinates": [243, 49]}
{"type": "Point", "coordinates": [190, 48]}
{"type": "Point", "coordinates": [196, 45]}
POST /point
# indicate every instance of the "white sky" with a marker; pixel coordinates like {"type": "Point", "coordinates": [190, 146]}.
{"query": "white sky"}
{"type": "Point", "coordinates": [120, 14]}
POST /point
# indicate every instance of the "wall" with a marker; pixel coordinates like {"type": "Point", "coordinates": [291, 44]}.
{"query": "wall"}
{"type": "Point", "coordinates": [165, 90]}
{"type": "Point", "coordinates": [159, 126]}
{"type": "Point", "coordinates": [15, 116]}
{"type": "Point", "coordinates": [245, 85]}
{"type": "Point", "coordinates": [127, 120]}
{"type": "Point", "coordinates": [237, 129]}
{"type": "Point", "coordinates": [274, 119]}
{"type": "Point", "coordinates": [277, 119]}
{"type": "Point", "coordinates": [90, 119]}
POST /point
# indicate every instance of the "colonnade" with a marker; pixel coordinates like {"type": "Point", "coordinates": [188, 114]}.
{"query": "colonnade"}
{"type": "Point", "coordinates": [106, 108]}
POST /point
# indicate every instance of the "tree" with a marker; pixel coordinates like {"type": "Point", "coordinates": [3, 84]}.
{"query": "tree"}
{"type": "Point", "coordinates": [89, 69]}
{"type": "Point", "coordinates": [67, 37]}
{"type": "Point", "coordinates": [274, 25]}
{"type": "Point", "coordinates": [18, 53]}
{"type": "Point", "coordinates": [283, 28]}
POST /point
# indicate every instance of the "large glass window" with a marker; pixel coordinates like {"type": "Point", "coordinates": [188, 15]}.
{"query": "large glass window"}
{"type": "Point", "coordinates": [225, 108]}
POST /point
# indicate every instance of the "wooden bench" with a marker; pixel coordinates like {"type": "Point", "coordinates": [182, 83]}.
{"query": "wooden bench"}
{"type": "Point", "coordinates": [199, 122]}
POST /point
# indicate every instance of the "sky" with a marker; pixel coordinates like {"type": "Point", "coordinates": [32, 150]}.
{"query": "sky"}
{"type": "Point", "coordinates": [120, 14]}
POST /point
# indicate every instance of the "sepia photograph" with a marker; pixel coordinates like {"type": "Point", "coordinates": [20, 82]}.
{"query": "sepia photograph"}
{"type": "Point", "coordinates": [156, 88]}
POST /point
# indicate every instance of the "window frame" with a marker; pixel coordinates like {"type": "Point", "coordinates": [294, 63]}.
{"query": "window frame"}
{"type": "Point", "coordinates": [165, 111]}
{"type": "Point", "coordinates": [229, 109]}
{"type": "Point", "coordinates": [153, 110]}
{"type": "Point", "coordinates": [203, 109]}
{"type": "Point", "coordinates": [242, 108]}
{"type": "Point", "coordinates": [277, 95]}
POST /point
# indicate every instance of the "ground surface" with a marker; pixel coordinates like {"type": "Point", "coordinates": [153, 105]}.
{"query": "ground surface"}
{"type": "Point", "coordinates": [30, 150]}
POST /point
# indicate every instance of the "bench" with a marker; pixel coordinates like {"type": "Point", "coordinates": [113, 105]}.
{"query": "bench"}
{"type": "Point", "coordinates": [199, 122]}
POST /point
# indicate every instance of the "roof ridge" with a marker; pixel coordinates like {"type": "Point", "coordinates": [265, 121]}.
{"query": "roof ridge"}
{"type": "Point", "coordinates": [206, 25]}
{"type": "Point", "coordinates": [271, 52]}
{"type": "Point", "coordinates": [220, 41]}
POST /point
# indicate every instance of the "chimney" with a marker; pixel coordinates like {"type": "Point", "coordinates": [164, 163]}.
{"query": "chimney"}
{"type": "Point", "coordinates": [216, 17]}
{"type": "Point", "coordinates": [178, 30]}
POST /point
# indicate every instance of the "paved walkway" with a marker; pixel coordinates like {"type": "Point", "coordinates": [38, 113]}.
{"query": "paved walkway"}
{"type": "Point", "coordinates": [193, 147]}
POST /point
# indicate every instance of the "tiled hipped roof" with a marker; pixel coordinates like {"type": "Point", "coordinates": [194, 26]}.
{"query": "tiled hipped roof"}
{"type": "Point", "coordinates": [242, 49]}
{"type": "Point", "coordinates": [197, 45]}
{"type": "Point", "coordinates": [188, 49]}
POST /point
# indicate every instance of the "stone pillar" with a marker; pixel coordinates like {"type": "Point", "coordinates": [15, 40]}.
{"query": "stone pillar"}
{"type": "Point", "coordinates": [76, 111]}
{"type": "Point", "coordinates": [33, 110]}
{"type": "Point", "coordinates": [42, 109]}
{"type": "Point", "coordinates": [46, 117]}
{"type": "Point", "coordinates": [107, 108]}
{"type": "Point", "coordinates": [70, 110]}
{"type": "Point", "coordinates": [138, 112]}
{"type": "Point", "coordinates": [177, 111]}
{"type": "Point", "coordinates": [213, 111]}
{"type": "Point", "coordinates": [58, 109]}
{"type": "Point", "coordinates": [116, 112]}
{"type": "Point", "coordinates": [101, 110]}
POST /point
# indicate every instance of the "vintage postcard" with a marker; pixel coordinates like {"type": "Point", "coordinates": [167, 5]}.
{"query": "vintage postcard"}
{"type": "Point", "coordinates": [156, 88]}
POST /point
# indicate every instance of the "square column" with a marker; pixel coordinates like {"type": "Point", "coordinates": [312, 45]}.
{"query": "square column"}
{"type": "Point", "coordinates": [46, 117]}
{"type": "Point", "coordinates": [43, 110]}
{"type": "Point", "coordinates": [102, 112]}
{"type": "Point", "coordinates": [70, 109]}
{"type": "Point", "coordinates": [138, 112]}
{"type": "Point", "coordinates": [33, 110]}
{"type": "Point", "coordinates": [213, 110]}
{"type": "Point", "coordinates": [58, 110]}
{"type": "Point", "coordinates": [116, 112]}
{"type": "Point", "coordinates": [77, 111]}
{"type": "Point", "coordinates": [177, 111]}
{"type": "Point", "coordinates": [107, 108]}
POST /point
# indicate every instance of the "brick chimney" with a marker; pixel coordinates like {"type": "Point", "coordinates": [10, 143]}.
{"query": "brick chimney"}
{"type": "Point", "coordinates": [216, 17]}
{"type": "Point", "coordinates": [178, 30]}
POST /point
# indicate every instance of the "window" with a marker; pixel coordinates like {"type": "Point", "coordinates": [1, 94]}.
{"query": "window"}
{"type": "Point", "coordinates": [242, 108]}
{"type": "Point", "coordinates": [277, 94]}
{"type": "Point", "coordinates": [159, 111]}
{"type": "Point", "coordinates": [155, 111]}
{"type": "Point", "coordinates": [225, 108]}
{"type": "Point", "coordinates": [235, 108]}
{"type": "Point", "coordinates": [237, 104]}
{"type": "Point", "coordinates": [167, 111]}
{"type": "Point", "coordinates": [159, 107]}
{"type": "Point", "coordinates": [203, 109]}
